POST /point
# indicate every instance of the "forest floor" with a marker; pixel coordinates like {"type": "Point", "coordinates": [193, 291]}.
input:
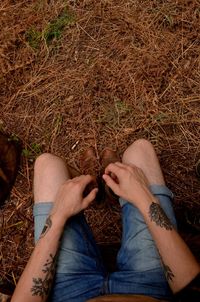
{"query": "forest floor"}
{"type": "Point", "coordinates": [103, 73]}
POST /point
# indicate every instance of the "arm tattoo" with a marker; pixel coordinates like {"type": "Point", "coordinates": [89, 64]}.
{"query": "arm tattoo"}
{"type": "Point", "coordinates": [47, 226]}
{"type": "Point", "coordinates": [157, 215]}
{"type": "Point", "coordinates": [168, 272]}
{"type": "Point", "coordinates": [41, 286]}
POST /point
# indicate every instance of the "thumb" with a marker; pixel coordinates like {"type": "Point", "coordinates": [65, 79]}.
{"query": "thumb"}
{"type": "Point", "coordinates": [89, 198]}
{"type": "Point", "coordinates": [111, 183]}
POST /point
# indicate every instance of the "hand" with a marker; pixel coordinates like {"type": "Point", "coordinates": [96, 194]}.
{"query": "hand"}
{"type": "Point", "coordinates": [128, 182]}
{"type": "Point", "coordinates": [69, 200]}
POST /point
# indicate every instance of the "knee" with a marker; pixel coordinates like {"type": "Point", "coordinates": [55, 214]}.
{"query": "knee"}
{"type": "Point", "coordinates": [140, 146]}
{"type": "Point", "coordinates": [143, 144]}
{"type": "Point", "coordinates": [44, 160]}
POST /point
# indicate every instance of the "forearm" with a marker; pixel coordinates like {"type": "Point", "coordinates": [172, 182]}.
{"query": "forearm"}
{"type": "Point", "coordinates": [131, 184]}
{"type": "Point", "coordinates": [36, 280]}
{"type": "Point", "coordinates": [179, 264]}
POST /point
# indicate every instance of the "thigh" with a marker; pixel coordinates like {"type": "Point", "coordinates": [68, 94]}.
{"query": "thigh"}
{"type": "Point", "coordinates": [142, 154]}
{"type": "Point", "coordinates": [78, 260]}
{"type": "Point", "coordinates": [50, 172]}
{"type": "Point", "coordinates": [79, 272]}
{"type": "Point", "coordinates": [138, 259]}
{"type": "Point", "coordinates": [150, 283]}
{"type": "Point", "coordinates": [138, 250]}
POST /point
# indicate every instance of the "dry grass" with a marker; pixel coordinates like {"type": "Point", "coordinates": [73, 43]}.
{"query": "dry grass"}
{"type": "Point", "coordinates": [114, 72]}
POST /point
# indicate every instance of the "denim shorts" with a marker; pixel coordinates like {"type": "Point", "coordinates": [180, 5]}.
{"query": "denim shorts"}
{"type": "Point", "coordinates": [80, 273]}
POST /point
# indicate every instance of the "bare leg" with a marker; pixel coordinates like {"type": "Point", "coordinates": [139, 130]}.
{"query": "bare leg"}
{"type": "Point", "coordinates": [138, 259]}
{"type": "Point", "coordinates": [142, 154]}
{"type": "Point", "coordinates": [78, 253]}
{"type": "Point", "coordinates": [49, 174]}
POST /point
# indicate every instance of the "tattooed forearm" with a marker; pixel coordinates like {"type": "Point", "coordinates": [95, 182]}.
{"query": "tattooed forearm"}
{"type": "Point", "coordinates": [47, 226]}
{"type": "Point", "coordinates": [41, 286]}
{"type": "Point", "coordinates": [168, 272]}
{"type": "Point", "coordinates": [157, 215]}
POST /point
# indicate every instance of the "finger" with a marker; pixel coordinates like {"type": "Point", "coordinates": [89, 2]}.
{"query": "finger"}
{"type": "Point", "coordinates": [125, 166]}
{"type": "Point", "coordinates": [85, 180]}
{"type": "Point", "coordinates": [112, 168]}
{"type": "Point", "coordinates": [79, 178]}
{"type": "Point", "coordinates": [119, 164]}
{"type": "Point", "coordinates": [89, 198]}
{"type": "Point", "coordinates": [111, 183]}
{"type": "Point", "coordinates": [114, 177]}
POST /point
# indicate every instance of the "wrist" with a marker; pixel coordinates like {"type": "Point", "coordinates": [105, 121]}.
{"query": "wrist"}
{"type": "Point", "coordinates": [58, 220]}
{"type": "Point", "coordinates": [53, 227]}
{"type": "Point", "coordinates": [146, 199]}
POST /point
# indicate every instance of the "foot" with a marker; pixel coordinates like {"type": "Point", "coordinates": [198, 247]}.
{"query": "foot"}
{"type": "Point", "coordinates": [89, 165]}
{"type": "Point", "coordinates": [88, 162]}
{"type": "Point", "coordinates": [108, 156]}
{"type": "Point", "coordinates": [9, 162]}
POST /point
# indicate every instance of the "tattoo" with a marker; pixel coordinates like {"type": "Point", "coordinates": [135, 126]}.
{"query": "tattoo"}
{"type": "Point", "coordinates": [41, 286]}
{"type": "Point", "coordinates": [47, 226]}
{"type": "Point", "coordinates": [168, 272]}
{"type": "Point", "coordinates": [157, 215]}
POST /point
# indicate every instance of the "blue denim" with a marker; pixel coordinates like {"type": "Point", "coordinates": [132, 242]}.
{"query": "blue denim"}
{"type": "Point", "coordinates": [80, 273]}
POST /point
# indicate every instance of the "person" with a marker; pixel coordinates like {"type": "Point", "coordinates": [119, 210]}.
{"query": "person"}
{"type": "Point", "coordinates": [153, 261]}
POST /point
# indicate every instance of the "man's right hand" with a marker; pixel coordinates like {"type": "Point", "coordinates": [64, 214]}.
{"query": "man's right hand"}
{"type": "Point", "coordinates": [69, 200]}
{"type": "Point", "coordinates": [128, 182]}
